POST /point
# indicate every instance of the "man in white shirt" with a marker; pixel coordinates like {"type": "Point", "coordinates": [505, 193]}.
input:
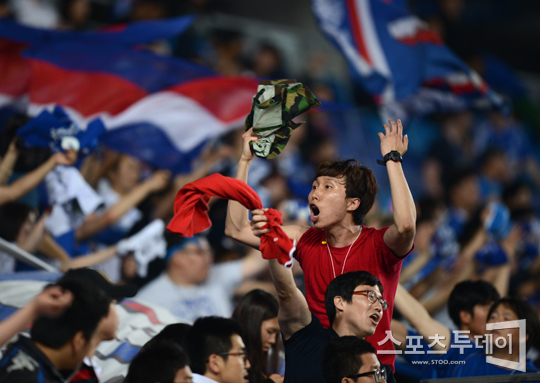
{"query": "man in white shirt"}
{"type": "Point", "coordinates": [193, 287]}
{"type": "Point", "coordinates": [217, 351]}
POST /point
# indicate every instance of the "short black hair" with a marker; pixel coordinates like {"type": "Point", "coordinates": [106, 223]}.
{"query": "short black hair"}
{"type": "Point", "coordinates": [157, 363]}
{"type": "Point", "coordinates": [456, 177]}
{"type": "Point", "coordinates": [468, 294]}
{"type": "Point", "coordinates": [210, 335]}
{"type": "Point", "coordinates": [523, 310]}
{"type": "Point", "coordinates": [343, 286]}
{"type": "Point", "coordinates": [175, 333]}
{"type": "Point", "coordinates": [88, 307]}
{"type": "Point", "coordinates": [343, 357]}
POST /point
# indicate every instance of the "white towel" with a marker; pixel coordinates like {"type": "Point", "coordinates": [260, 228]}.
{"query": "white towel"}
{"type": "Point", "coordinates": [147, 245]}
{"type": "Point", "coordinates": [67, 187]}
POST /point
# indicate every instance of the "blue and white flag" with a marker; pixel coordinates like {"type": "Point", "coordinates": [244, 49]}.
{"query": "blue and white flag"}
{"type": "Point", "coordinates": [400, 61]}
{"type": "Point", "coordinates": [58, 132]}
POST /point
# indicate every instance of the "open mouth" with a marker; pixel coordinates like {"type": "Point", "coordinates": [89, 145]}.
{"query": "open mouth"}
{"type": "Point", "coordinates": [314, 213]}
{"type": "Point", "coordinates": [375, 318]}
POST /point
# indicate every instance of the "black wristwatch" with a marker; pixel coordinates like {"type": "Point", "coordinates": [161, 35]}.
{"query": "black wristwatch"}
{"type": "Point", "coordinates": [394, 155]}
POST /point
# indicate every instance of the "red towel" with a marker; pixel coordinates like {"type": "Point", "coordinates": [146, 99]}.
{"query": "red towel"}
{"type": "Point", "coordinates": [191, 205]}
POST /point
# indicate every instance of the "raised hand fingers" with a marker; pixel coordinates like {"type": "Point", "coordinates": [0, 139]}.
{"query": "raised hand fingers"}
{"type": "Point", "coordinates": [393, 126]}
{"type": "Point", "coordinates": [399, 128]}
{"type": "Point", "coordinates": [386, 129]}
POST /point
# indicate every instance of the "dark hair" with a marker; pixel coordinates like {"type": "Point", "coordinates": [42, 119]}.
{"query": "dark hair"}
{"type": "Point", "coordinates": [343, 286]}
{"type": "Point", "coordinates": [28, 158]}
{"type": "Point", "coordinates": [488, 155]}
{"type": "Point", "coordinates": [12, 217]}
{"type": "Point", "coordinates": [157, 363]}
{"type": "Point", "coordinates": [468, 294]}
{"type": "Point", "coordinates": [210, 335]}
{"type": "Point", "coordinates": [456, 177]}
{"type": "Point", "coordinates": [89, 306]}
{"type": "Point", "coordinates": [359, 182]}
{"type": "Point", "coordinates": [253, 309]}
{"type": "Point", "coordinates": [175, 333]}
{"type": "Point", "coordinates": [343, 357]}
{"type": "Point", "coordinates": [523, 310]}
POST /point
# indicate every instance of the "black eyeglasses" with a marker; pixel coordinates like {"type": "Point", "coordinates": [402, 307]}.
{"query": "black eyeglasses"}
{"type": "Point", "coordinates": [373, 297]}
{"type": "Point", "coordinates": [242, 354]}
{"type": "Point", "coordinates": [378, 375]}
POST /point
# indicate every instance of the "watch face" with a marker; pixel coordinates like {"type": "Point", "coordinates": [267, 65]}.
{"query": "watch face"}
{"type": "Point", "coordinates": [394, 156]}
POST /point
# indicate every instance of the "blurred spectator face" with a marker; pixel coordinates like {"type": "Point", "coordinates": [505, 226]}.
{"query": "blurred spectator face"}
{"type": "Point", "coordinates": [183, 375]}
{"type": "Point", "coordinates": [466, 194]}
{"type": "Point", "coordinates": [126, 174]}
{"type": "Point", "coordinates": [452, 9]}
{"type": "Point", "coordinates": [326, 151]}
{"type": "Point", "coordinates": [496, 167]}
{"type": "Point", "coordinates": [277, 186]}
{"type": "Point", "coordinates": [148, 10]}
{"type": "Point", "coordinates": [504, 313]}
{"type": "Point", "coordinates": [107, 327]}
{"type": "Point", "coordinates": [267, 62]}
{"type": "Point", "coordinates": [236, 364]}
{"type": "Point", "coordinates": [196, 260]}
{"type": "Point", "coordinates": [477, 322]}
{"type": "Point", "coordinates": [459, 124]}
{"type": "Point", "coordinates": [522, 198]}
{"type": "Point", "coordinates": [26, 228]}
{"type": "Point", "coordinates": [78, 12]}
{"type": "Point", "coordinates": [269, 331]}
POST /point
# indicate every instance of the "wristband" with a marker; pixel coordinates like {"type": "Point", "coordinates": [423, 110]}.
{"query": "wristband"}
{"type": "Point", "coordinates": [394, 155]}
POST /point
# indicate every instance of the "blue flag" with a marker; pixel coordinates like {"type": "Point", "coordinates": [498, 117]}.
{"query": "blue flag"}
{"type": "Point", "coordinates": [398, 60]}
{"type": "Point", "coordinates": [56, 131]}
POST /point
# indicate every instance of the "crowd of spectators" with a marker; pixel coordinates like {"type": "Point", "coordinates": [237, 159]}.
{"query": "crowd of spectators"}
{"type": "Point", "coordinates": [475, 178]}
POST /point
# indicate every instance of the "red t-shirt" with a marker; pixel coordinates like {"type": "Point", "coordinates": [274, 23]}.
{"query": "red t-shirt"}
{"type": "Point", "coordinates": [368, 253]}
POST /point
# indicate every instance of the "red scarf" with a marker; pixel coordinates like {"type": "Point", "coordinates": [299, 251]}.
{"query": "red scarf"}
{"type": "Point", "coordinates": [191, 205]}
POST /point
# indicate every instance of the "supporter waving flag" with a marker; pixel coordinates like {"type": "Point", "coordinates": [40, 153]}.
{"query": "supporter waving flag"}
{"type": "Point", "coordinates": [399, 60]}
{"type": "Point", "coordinates": [159, 109]}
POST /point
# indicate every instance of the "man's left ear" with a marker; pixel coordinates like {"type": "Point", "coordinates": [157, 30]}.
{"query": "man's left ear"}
{"type": "Point", "coordinates": [353, 204]}
{"type": "Point", "coordinates": [78, 342]}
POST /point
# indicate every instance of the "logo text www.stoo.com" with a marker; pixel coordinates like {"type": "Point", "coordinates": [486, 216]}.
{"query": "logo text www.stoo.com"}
{"type": "Point", "coordinates": [416, 344]}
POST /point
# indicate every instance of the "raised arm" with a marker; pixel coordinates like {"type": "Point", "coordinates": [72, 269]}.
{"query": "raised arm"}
{"type": "Point", "coordinates": [294, 312]}
{"type": "Point", "coordinates": [400, 236]}
{"type": "Point", "coordinates": [418, 316]}
{"type": "Point", "coordinates": [237, 224]}
{"type": "Point", "coordinates": [94, 224]}
{"type": "Point", "coordinates": [50, 302]}
{"type": "Point", "coordinates": [8, 162]}
{"type": "Point", "coordinates": [29, 181]}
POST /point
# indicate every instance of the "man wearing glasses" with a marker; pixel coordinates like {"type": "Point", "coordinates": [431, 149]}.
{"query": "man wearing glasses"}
{"type": "Point", "coordinates": [350, 359]}
{"type": "Point", "coordinates": [217, 351]}
{"type": "Point", "coordinates": [354, 305]}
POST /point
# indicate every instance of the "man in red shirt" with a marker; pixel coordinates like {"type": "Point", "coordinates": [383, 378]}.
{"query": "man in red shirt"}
{"type": "Point", "coordinates": [342, 194]}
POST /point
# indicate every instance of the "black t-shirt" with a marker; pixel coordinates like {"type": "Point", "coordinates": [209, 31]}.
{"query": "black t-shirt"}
{"type": "Point", "coordinates": [24, 362]}
{"type": "Point", "coordinates": [303, 353]}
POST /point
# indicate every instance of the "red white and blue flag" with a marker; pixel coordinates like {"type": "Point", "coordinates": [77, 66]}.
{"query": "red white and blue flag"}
{"type": "Point", "coordinates": [160, 109]}
{"type": "Point", "coordinates": [400, 61]}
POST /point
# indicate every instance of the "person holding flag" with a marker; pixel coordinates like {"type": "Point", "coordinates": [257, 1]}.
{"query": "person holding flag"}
{"type": "Point", "coordinates": [342, 194]}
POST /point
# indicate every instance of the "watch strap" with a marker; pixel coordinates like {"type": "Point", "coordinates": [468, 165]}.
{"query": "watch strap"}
{"type": "Point", "coordinates": [393, 155]}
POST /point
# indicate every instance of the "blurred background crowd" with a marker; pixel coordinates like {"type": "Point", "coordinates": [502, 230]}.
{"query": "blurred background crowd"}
{"type": "Point", "coordinates": [475, 176]}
